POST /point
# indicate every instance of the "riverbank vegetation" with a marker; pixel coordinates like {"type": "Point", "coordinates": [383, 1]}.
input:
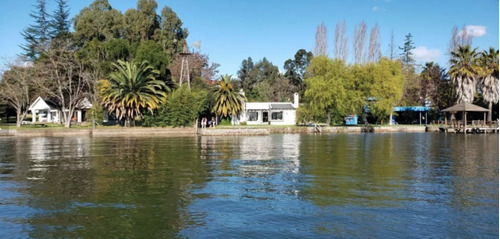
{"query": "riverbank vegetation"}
{"type": "Point", "coordinates": [131, 64]}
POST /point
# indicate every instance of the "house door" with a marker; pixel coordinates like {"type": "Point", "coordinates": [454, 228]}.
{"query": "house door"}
{"type": "Point", "coordinates": [265, 117]}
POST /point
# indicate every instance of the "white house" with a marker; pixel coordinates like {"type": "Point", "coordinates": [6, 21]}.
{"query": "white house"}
{"type": "Point", "coordinates": [44, 111]}
{"type": "Point", "coordinates": [273, 113]}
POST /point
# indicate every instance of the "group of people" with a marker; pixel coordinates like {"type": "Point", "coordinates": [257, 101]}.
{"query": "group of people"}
{"type": "Point", "coordinates": [205, 122]}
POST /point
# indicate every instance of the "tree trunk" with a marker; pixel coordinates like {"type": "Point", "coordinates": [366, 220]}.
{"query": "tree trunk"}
{"type": "Point", "coordinates": [365, 118]}
{"type": "Point", "coordinates": [67, 122]}
{"type": "Point", "coordinates": [18, 117]}
{"type": "Point", "coordinates": [390, 118]}
{"type": "Point", "coordinates": [69, 116]}
{"type": "Point", "coordinates": [328, 118]}
{"type": "Point", "coordinates": [489, 112]}
{"type": "Point", "coordinates": [127, 121]}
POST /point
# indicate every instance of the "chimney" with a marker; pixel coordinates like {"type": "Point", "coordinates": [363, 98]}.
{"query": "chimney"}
{"type": "Point", "coordinates": [296, 100]}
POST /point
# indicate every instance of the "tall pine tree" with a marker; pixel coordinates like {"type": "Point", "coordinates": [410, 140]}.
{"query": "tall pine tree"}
{"type": "Point", "coordinates": [37, 34]}
{"type": "Point", "coordinates": [407, 55]}
{"type": "Point", "coordinates": [60, 23]}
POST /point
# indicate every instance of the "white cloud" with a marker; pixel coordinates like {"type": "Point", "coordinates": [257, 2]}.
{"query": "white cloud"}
{"type": "Point", "coordinates": [378, 9]}
{"type": "Point", "coordinates": [423, 54]}
{"type": "Point", "coordinates": [475, 31]}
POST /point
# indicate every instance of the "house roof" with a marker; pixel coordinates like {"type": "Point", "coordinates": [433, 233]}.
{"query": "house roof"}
{"type": "Point", "coordinates": [465, 106]}
{"type": "Point", "coordinates": [268, 105]}
{"type": "Point", "coordinates": [40, 104]}
{"type": "Point", "coordinates": [282, 106]}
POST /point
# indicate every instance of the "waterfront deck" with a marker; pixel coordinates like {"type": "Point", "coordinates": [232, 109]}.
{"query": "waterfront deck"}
{"type": "Point", "coordinates": [472, 127]}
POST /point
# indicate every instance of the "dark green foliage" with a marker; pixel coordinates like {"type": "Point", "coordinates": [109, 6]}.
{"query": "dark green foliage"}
{"type": "Point", "coordinates": [37, 35]}
{"type": "Point", "coordinates": [296, 67]}
{"type": "Point", "coordinates": [100, 21]}
{"type": "Point", "coordinates": [182, 109]}
{"type": "Point", "coordinates": [141, 24]}
{"type": "Point", "coordinates": [171, 34]}
{"type": "Point", "coordinates": [263, 82]}
{"type": "Point", "coordinates": [60, 22]}
{"type": "Point", "coordinates": [407, 55]}
{"type": "Point", "coordinates": [436, 86]}
{"type": "Point", "coordinates": [153, 53]}
{"type": "Point", "coordinates": [244, 74]}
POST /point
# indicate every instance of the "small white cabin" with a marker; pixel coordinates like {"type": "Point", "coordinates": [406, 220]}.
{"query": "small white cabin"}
{"type": "Point", "coordinates": [44, 111]}
{"type": "Point", "coordinates": [270, 113]}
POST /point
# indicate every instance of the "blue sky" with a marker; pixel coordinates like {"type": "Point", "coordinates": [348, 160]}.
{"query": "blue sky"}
{"type": "Point", "coordinates": [232, 30]}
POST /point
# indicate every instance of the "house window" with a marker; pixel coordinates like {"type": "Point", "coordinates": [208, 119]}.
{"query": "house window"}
{"type": "Point", "coordinates": [253, 116]}
{"type": "Point", "coordinates": [277, 115]}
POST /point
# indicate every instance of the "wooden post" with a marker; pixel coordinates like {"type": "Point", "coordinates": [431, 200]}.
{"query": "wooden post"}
{"type": "Point", "coordinates": [445, 120]}
{"type": "Point", "coordinates": [465, 122]}
{"type": "Point", "coordinates": [484, 119]}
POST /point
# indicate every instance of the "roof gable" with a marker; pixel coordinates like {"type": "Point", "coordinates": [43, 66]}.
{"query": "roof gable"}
{"type": "Point", "coordinates": [39, 104]}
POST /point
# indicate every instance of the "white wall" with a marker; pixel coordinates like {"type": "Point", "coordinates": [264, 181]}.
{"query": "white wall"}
{"type": "Point", "coordinates": [288, 118]}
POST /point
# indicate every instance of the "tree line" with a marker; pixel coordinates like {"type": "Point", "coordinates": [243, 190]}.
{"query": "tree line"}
{"type": "Point", "coordinates": [66, 66]}
{"type": "Point", "coordinates": [129, 64]}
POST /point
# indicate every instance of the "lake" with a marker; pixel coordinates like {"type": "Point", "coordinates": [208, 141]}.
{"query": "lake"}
{"type": "Point", "coordinates": [397, 185]}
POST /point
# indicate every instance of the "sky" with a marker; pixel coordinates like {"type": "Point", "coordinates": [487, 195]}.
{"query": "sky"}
{"type": "Point", "coordinates": [233, 30]}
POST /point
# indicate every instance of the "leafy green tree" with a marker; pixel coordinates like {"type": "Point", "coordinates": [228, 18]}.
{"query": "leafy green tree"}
{"type": "Point", "coordinates": [37, 35]}
{"type": "Point", "coordinates": [464, 71]}
{"type": "Point", "coordinates": [431, 77]}
{"type": "Point", "coordinates": [447, 95]}
{"type": "Point", "coordinates": [141, 23]}
{"type": "Point", "coordinates": [258, 80]}
{"type": "Point", "coordinates": [175, 111]}
{"type": "Point", "coordinates": [131, 89]}
{"type": "Point", "coordinates": [244, 74]}
{"type": "Point", "coordinates": [386, 83]}
{"type": "Point", "coordinates": [266, 71]}
{"type": "Point", "coordinates": [60, 22]}
{"type": "Point", "coordinates": [407, 55]}
{"type": "Point", "coordinates": [296, 68]}
{"type": "Point", "coordinates": [489, 80]}
{"type": "Point", "coordinates": [228, 102]}
{"type": "Point", "coordinates": [171, 33]}
{"type": "Point", "coordinates": [154, 54]}
{"type": "Point", "coordinates": [327, 90]}
{"type": "Point", "coordinates": [412, 88]}
{"type": "Point", "coordinates": [100, 21]}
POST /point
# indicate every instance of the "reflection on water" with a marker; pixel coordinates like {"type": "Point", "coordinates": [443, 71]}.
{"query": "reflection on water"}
{"type": "Point", "coordinates": [354, 185]}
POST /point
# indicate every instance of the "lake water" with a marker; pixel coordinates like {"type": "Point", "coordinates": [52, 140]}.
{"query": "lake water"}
{"type": "Point", "coordinates": [413, 185]}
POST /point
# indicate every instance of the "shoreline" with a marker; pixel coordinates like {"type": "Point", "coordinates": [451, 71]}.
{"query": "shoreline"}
{"type": "Point", "coordinates": [219, 131]}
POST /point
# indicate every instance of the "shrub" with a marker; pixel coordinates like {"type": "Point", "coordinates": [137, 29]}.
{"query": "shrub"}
{"type": "Point", "coordinates": [181, 109]}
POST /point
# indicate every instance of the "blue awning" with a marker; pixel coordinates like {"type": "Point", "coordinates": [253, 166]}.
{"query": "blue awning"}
{"type": "Point", "coordinates": [412, 108]}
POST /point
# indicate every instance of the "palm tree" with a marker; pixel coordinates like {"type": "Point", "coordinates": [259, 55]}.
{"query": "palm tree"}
{"type": "Point", "coordinates": [228, 102]}
{"type": "Point", "coordinates": [489, 79]}
{"type": "Point", "coordinates": [132, 88]}
{"type": "Point", "coordinates": [464, 71]}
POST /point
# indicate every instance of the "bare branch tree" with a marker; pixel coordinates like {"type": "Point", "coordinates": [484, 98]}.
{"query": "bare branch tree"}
{"type": "Point", "coordinates": [392, 47]}
{"type": "Point", "coordinates": [359, 42]}
{"type": "Point", "coordinates": [340, 41]}
{"type": "Point", "coordinates": [16, 88]}
{"type": "Point", "coordinates": [464, 38]}
{"type": "Point", "coordinates": [459, 39]}
{"type": "Point", "coordinates": [374, 45]}
{"type": "Point", "coordinates": [63, 78]}
{"type": "Point", "coordinates": [453, 45]}
{"type": "Point", "coordinates": [321, 46]}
